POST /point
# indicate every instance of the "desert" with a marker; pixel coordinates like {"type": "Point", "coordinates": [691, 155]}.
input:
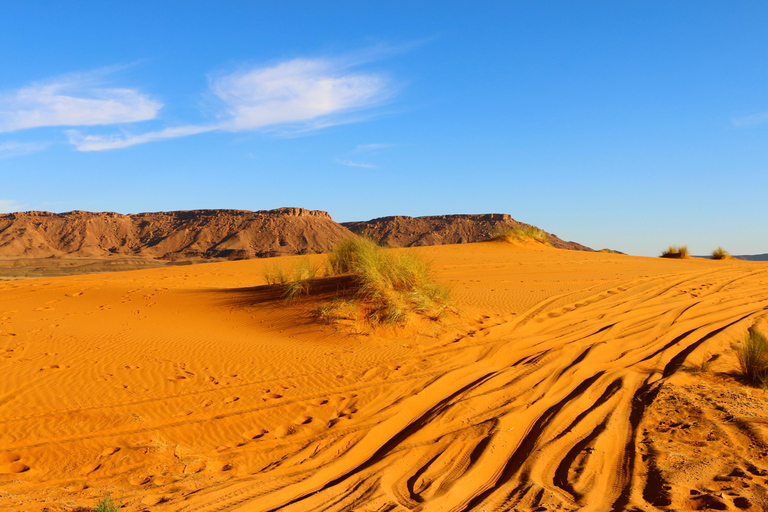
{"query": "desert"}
{"type": "Point", "coordinates": [558, 381]}
{"type": "Point", "coordinates": [383, 256]}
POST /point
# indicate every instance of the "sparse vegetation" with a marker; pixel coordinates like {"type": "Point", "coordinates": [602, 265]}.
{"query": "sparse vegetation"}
{"type": "Point", "coordinates": [384, 286]}
{"type": "Point", "coordinates": [107, 504]}
{"type": "Point", "coordinates": [720, 254]}
{"type": "Point", "coordinates": [702, 367]}
{"type": "Point", "coordinates": [388, 285]}
{"type": "Point", "coordinates": [675, 251]}
{"type": "Point", "coordinates": [520, 233]}
{"type": "Point", "coordinates": [295, 283]}
{"type": "Point", "coordinates": [753, 357]}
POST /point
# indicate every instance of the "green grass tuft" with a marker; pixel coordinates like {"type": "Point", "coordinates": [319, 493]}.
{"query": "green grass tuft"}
{"type": "Point", "coordinates": [753, 357]}
{"type": "Point", "coordinates": [720, 254]}
{"type": "Point", "coordinates": [679, 252]}
{"type": "Point", "coordinates": [107, 504]}
{"type": "Point", "coordinates": [389, 285]}
{"type": "Point", "coordinates": [520, 233]}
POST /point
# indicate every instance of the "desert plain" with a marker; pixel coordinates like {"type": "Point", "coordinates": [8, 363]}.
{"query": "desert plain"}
{"type": "Point", "coordinates": [559, 380]}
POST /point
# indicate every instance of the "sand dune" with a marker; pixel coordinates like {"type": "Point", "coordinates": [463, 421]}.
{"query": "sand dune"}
{"type": "Point", "coordinates": [556, 388]}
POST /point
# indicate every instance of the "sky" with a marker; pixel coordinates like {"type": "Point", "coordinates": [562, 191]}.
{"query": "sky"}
{"type": "Point", "coordinates": [623, 125]}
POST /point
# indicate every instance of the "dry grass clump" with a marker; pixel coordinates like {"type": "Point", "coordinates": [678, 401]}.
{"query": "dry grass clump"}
{"type": "Point", "coordinates": [753, 357]}
{"type": "Point", "coordinates": [388, 285]}
{"type": "Point", "coordinates": [520, 233]}
{"type": "Point", "coordinates": [720, 254]}
{"type": "Point", "coordinates": [675, 251]}
{"type": "Point", "coordinates": [382, 286]}
{"type": "Point", "coordinates": [295, 283]}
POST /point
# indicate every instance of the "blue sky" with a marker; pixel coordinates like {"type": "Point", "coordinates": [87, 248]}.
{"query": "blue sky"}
{"type": "Point", "coordinates": [629, 125]}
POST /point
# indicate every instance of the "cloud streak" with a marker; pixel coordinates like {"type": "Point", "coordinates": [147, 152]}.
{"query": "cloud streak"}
{"type": "Point", "coordinates": [295, 96]}
{"type": "Point", "coordinates": [363, 165]}
{"type": "Point", "coordinates": [11, 149]}
{"type": "Point", "coordinates": [752, 120]}
{"type": "Point", "coordinates": [74, 100]}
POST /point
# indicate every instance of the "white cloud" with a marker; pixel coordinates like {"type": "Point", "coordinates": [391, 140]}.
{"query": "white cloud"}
{"type": "Point", "coordinates": [76, 100]}
{"type": "Point", "coordinates": [101, 143]}
{"type": "Point", "coordinates": [751, 120]}
{"type": "Point", "coordinates": [11, 149]}
{"type": "Point", "coordinates": [365, 148]}
{"type": "Point", "coordinates": [295, 96]}
{"type": "Point", "coordinates": [364, 165]}
{"type": "Point", "coordinates": [9, 205]}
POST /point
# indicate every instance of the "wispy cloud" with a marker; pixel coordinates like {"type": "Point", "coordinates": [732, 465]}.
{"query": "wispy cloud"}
{"type": "Point", "coordinates": [750, 120]}
{"type": "Point", "coordinates": [9, 205]}
{"type": "Point", "coordinates": [73, 100]}
{"type": "Point", "coordinates": [367, 148]}
{"type": "Point", "coordinates": [101, 143]}
{"type": "Point", "coordinates": [11, 149]}
{"type": "Point", "coordinates": [364, 165]}
{"type": "Point", "coordinates": [296, 95]}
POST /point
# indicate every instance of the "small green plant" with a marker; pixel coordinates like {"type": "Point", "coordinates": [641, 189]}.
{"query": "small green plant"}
{"type": "Point", "coordinates": [275, 275]}
{"type": "Point", "coordinates": [521, 233]}
{"type": "Point", "coordinates": [753, 357]}
{"type": "Point", "coordinates": [107, 504]}
{"type": "Point", "coordinates": [702, 367]}
{"type": "Point", "coordinates": [720, 254]}
{"type": "Point", "coordinates": [674, 251]}
{"type": "Point", "coordinates": [388, 285]}
{"type": "Point", "coordinates": [303, 276]}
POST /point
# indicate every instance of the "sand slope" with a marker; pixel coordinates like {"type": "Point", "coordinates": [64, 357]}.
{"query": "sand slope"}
{"type": "Point", "coordinates": [558, 388]}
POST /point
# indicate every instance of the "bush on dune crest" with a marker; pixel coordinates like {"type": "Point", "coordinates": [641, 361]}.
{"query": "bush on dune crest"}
{"type": "Point", "coordinates": [674, 251]}
{"type": "Point", "coordinates": [520, 233]}
{"type": "Point", "coordinates": [720, 254]}
{"type": "Point", "coordinates": [387, 286]}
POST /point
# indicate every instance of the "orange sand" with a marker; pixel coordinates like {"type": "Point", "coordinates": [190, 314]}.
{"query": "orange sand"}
{"type": "Point", "coordinates": [182, 388]}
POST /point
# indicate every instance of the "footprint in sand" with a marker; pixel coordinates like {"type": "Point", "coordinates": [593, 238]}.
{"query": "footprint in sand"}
{"type": "Point", "coordinates": [302, 420]}
{"type": "Point", "coordinates": [254, 433]}
{"type": "Point", "coordinates": [270, 395]}
{"type": "Point", "coordinates": [11, 463]}
{"type": "Point", "coordinates": [153, 500]}
{"type": "Point", "coordinates": [49, 367]}
{"type": "Point", "coordinates": [231, 399]}
{"type": "Point", "coordinates": [139, 480]}
{"type": "Point", "coordinates": [90, 468]}
{"type": "Point", "coordinates": [194, 467]}
{"type": "Point", "coordinates": [106, 452]}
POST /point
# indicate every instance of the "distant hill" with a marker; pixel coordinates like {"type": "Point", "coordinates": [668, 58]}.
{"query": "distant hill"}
{"type": "Point", "coordinates": [753, 257]}
{"type": "Point", "coordinates": [403, 231]}
{"type": "Point", "coordinates": [196, 234]}
{"type": "Point", "coordinates": [227, 234]}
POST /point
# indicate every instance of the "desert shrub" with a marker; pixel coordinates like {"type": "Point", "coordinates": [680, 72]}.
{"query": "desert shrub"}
{"type": "Point", "coordinates": [719, 254]}
{"type": "Point", "coordinates": [107, 504]}
{"type": "Point", "coordinates": [674, 251]}
{"type": "Point", "coordinates": [275, 275]}
{"type": "Point", "coordinates": [303, 276]}
{"type": "Point", "coordinates": [510, 234]}
{"type": "Point", "coordinates": [296, 282]}
{"type": "Point", "coordinates": [753, 357]}
{"type": "Point", "coordinates": [389, 285]}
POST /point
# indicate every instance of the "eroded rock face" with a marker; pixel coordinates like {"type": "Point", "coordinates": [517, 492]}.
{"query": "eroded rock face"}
{"type": "Point", "coordinates": [402, 231]}
{"type": "Point", "coordinates": [195, 234]}
{"type": "Point", "coordinates": [228, 234]}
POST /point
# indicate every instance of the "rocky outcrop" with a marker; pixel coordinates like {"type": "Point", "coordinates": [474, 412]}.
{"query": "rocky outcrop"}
{"type": "Point", "coordinates": [402, 231]}
{"type": "Point", "coordinates": [228, 234]}
{"type": "Point", "coordinates": [196, 234]}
